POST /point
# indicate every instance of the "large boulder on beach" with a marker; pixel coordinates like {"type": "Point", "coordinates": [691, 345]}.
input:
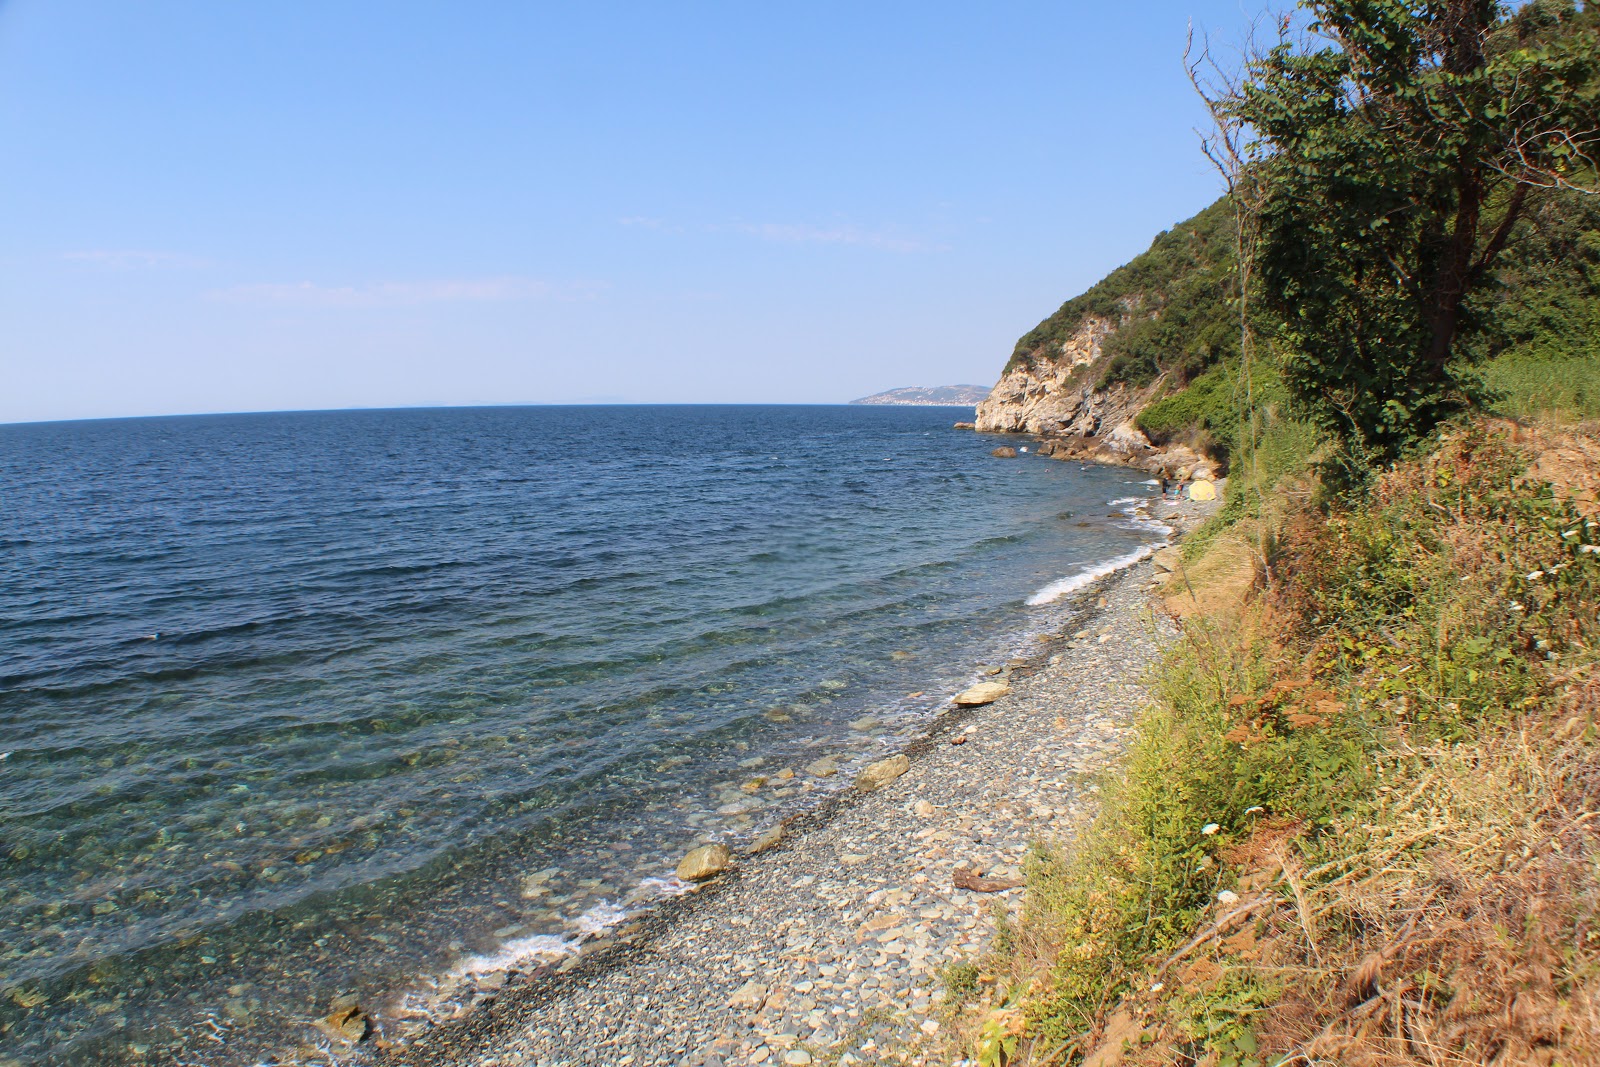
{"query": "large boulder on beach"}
{"type": "Point", "coordinates": [707, 861]}
{"type": "Point", "coordinates": [877, 775]}
{"type": "Point", "coordinates": [982, 693]}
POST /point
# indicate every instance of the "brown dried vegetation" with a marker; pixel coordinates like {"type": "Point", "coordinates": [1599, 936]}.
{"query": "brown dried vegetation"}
{"type": "Point", "coordinates": [1400, 740]}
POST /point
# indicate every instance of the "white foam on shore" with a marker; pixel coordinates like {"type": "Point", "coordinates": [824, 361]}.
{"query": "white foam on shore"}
{"type": "Point", "coordinates": [546, 947]}
{"type": "Point", "coordinates": [1058, 589]}
{"type": "Point", "coordinates": [515, 953]}
{"type": "Point", "coordinates": [1138, 518]}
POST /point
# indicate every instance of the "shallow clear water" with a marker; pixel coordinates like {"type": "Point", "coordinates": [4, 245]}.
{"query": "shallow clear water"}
{"type": "Point", "coordinates": [295, 704]}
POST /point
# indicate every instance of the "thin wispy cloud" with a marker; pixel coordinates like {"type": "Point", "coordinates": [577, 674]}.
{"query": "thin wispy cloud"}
{"type": "Point", "coordinates": [795, 233]}
{"type": "Point", "coordinates": [405, 293]}
{"type": "Point", "coordinates": [801, 233]}
{"type": "Point", "coordinates": [133, 259]}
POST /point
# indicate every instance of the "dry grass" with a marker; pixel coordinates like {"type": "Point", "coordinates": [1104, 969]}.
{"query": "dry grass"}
{"type": "Point", "coordinates": [1217, 585]}
{"type": "Point", "coordinates": [1455, 923]}
{"type": "Point", "coordinates": [1416, 704]}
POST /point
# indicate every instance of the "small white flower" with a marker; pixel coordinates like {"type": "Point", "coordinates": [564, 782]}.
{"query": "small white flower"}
{"type": "Point", "coordinates": [1158, 987]}
{"type": "Point", "coordinates": [1534, 576]}
{"type": "Point", "coordinates": [1589, 548]}
{"type": "Point", "coordinates": [1210, 828]}
{"type": "Point", "coordinates": [1227, 896]}
{"type": "Point", "coordinates": [1257, 810]}
{"type": "Point", "coordinates": [1570, 533]}
{"type": "Point", "coordinates": [1515, 606]}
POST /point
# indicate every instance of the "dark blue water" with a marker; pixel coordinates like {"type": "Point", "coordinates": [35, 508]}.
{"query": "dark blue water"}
{"type": "Point", "coordinates": [296, 704]}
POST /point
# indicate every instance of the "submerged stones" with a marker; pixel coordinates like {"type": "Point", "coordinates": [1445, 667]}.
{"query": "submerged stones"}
{"type": "Point", "coordinates": [346, 1021]}
{"type": "Point", "coordinates": [982, 693]}
{"type": "Point", "coordinates": [823, 768]}
{"type": "Point", "coordinates": [877, 775]}
{"type": "Point", "coordinates": [705, 862]}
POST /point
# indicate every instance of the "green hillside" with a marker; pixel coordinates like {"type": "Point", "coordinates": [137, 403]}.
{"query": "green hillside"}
{"type": "Point", "coordinates": [1172, 303]}
{"type": "Point", "coordinates": [1537, 339]}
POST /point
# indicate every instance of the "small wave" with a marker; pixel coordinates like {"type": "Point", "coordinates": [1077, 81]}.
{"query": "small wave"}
{"type": "Point", "coordinates": [546, 947]}
{"type": "Point", "coordinates": [514, 953]}
{"type": "Point", "coordinates": [1058, 589]}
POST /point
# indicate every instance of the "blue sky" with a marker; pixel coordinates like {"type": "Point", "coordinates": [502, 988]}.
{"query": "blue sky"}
{"type": "Point", "coordinates": [230, 207]}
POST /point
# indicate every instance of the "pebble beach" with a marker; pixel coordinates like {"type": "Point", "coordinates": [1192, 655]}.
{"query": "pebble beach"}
{"type": "Point", "coordinates": [829, 946]}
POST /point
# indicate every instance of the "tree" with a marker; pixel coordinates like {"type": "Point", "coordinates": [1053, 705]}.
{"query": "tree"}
{"type": "Point", "coordinates": [1392, 149]}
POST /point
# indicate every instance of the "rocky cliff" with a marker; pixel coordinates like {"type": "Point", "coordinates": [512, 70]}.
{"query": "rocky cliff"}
{"type": "Point", "coordinates": [1065, 402]}
{"type": "Point", "coordinates": [1081, 378]}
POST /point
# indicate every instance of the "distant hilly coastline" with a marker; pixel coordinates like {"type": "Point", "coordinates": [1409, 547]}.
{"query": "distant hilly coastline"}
{"type": "Point", "coordinates": [955, 396]}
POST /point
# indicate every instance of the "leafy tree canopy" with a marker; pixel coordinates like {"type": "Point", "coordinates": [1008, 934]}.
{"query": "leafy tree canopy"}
{"type": "Point", "coordinates": [1397, 149]}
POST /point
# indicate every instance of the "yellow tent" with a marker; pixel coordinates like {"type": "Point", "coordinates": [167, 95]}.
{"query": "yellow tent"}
{"type": "Point", "coordinates": [1202, 490]}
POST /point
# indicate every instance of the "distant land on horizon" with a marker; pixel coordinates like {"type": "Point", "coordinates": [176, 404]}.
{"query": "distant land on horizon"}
{"type": "Point", "coordinates": [963, 396]}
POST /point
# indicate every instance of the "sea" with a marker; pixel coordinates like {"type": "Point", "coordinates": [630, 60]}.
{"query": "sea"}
{"type": "Point", "coordinates": [306, 705]}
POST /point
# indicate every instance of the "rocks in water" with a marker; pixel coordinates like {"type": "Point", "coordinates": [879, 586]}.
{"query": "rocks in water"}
{"type": "Point", "coordinates": [766, 839]}
{"type": "Point", "coordinates": [877, 775]}
{"type": "Point", "coordinates": [707, 861]}
{"type": "Point", "coordinates": [1202, 490]}
{"type": "Point", "coordinates": [346, 1021]}
{"type": "Point", "coordinates": [924, 809]}
{"type": "Point", "coordinates": [865, 723]}
{"type": "Point", "coordinates": [966, 426]}
{"type": "Point", "coordinates": [1004, 452]}
{"type": "Point", "coordinates": [982, 693]}
{"type": "Point", "coordinates": [825, 767]}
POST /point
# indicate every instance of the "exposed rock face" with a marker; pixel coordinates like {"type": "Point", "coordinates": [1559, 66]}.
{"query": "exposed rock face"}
{"type": "Point", "coordinates": [1056, 396]}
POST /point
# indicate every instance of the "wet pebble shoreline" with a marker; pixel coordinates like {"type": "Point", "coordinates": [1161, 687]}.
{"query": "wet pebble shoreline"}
{"type": "Point", "coordinates": [829, 947]}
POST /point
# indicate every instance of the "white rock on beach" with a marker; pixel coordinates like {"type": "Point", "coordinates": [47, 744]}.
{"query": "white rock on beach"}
{"type": "Point", "coordinates": [877, 775]}
{"type": "Point", "coordinates": [982, 693]}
